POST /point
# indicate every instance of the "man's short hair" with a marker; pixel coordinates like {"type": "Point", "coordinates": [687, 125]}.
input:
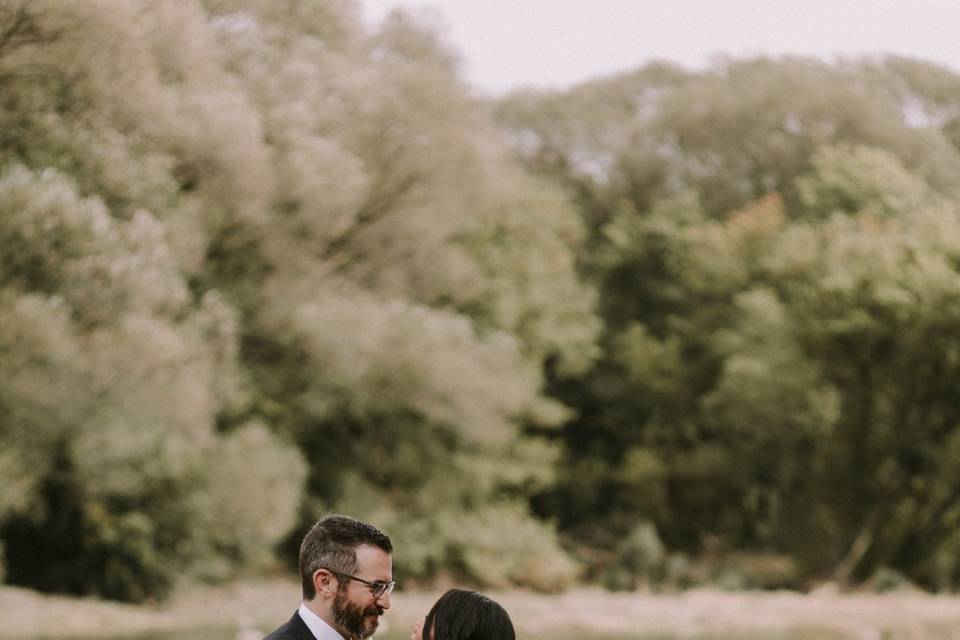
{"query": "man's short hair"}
{"type": "Point", "coordinates": [332, 543]}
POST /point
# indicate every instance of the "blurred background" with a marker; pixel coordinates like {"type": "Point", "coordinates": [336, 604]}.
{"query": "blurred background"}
{"type": "Point", "coordinates": [642, 323]}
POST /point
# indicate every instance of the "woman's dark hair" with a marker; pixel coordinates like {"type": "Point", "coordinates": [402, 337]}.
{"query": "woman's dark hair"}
{"type": "Point", "coordinates": [467, 615]}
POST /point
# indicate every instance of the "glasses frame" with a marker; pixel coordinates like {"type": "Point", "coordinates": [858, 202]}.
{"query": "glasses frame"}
{"type": "Point", "coordinates": [377, 588]}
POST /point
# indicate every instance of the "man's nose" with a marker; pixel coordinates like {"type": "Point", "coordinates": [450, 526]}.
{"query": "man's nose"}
{"type": "Point", "coordinates": [384, 601]}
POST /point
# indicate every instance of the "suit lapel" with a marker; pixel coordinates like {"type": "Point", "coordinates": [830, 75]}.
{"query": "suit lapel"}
{"type": "Point", "coordinates": [300, 628]}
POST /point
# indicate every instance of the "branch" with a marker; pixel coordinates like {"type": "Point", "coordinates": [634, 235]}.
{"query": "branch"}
{"type": "Point", "coordinates": [22, 30]}
{"type": "Point", "coordinates": [379, 203]}
{"type": "Point", "coordinates": [861, 544]}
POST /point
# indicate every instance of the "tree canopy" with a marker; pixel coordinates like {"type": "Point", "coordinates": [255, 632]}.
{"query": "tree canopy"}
{"type": "Point", "coordinates": [774, 247]}
{"type": "Point", "coordinates": [262, 261]}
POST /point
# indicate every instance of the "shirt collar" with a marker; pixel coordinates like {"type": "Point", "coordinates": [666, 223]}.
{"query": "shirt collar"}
{"type": "Point", "coordinates": [320, 629]}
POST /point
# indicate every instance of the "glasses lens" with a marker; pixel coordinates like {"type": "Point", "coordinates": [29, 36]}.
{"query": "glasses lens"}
{"type": "Point", "coordinates": [381, 589]}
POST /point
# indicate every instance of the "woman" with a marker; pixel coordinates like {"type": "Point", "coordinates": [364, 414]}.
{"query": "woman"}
{"type": "Point", "coordinates": [465, 615]}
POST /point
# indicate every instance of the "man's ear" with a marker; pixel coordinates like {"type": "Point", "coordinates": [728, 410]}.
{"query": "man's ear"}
{"type": "Point", "coordinates": [324, 583]}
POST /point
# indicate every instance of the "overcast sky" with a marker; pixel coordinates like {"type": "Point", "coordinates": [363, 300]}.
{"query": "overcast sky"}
{"type": "Point", "coordinates": [555, 43]}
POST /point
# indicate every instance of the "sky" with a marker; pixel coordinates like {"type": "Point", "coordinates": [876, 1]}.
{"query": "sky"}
{"type": "Point", "coordinates": [505, 44]}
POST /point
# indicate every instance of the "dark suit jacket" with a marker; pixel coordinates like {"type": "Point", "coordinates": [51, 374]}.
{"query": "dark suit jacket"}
{"type": "Point", "coordinates": [294, 629]}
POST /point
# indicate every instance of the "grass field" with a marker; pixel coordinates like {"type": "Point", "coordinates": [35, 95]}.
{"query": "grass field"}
{"type": "Point", "coordinates": [225, 613]}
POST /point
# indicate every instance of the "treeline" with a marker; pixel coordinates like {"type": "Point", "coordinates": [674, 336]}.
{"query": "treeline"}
{"type": "Point", "coordinates": [775, 245]}
{"type": "Point", "coordinates": [261, 261]}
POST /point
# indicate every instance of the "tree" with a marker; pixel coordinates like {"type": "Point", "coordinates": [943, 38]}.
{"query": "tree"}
{"type": "Point", "coordinates": [298, 233]}
{"type": "Point", "coordinates": [865, 313]}
{"type": "Point", "coordinates": [418, 280]}
{"type": "Point", "coordinates": [693, 186]}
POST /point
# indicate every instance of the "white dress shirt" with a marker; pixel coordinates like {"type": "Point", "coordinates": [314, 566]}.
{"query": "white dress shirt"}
{"type": "Point", "coordinates": [320, 629]}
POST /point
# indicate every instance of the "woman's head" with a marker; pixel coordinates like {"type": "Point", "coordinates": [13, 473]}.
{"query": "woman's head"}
{"type": "Point", "coordinates": [465, 615]}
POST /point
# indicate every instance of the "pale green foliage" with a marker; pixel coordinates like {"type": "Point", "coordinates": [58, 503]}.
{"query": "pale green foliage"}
{"type": "Point", "coordinates": [640, 557]}
{"type": "Point", "coordinates": [111, 364]}
{"type": "Point", "coordinates": [861, 180]}
{"type": "Point", "coordinates": [500, 545]}
{"type": "Point", "coordinates": [124, 297]}
{"type": "Point", "coordinates": [467, 529]}
{"type": "Point", "coordinates": [55, 241]}
{"type": "Point", "coordinates": [525, 247]}
{"type": "Point", "coordinates": [377, 356]}
{"type": "Point", "coordinates": [496, 545]}
{"type": "Point", "coordinates": [732, 133]}
{"type": "Point", "coordinates": [238, 212]}
{"type": "Point", "coordinates": [418, 275]}
{"type": "Point", "coordinates": [35, 390]}
{"type": "Point", "coordinates": [246, 509]}
{"type": "Point", "coordinates": [388, 175]}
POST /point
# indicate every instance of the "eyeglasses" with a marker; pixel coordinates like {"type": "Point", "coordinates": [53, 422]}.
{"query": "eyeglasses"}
{"type": "Point", "coordinates": [377, 588]}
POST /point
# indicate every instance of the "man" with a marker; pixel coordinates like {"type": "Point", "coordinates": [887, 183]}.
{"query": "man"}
{"type": "Point", "coordinates": [346, 574]}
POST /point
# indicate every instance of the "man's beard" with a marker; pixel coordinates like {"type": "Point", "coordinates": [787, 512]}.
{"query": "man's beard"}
{"type": "Point", "coordinates": [350, 617]}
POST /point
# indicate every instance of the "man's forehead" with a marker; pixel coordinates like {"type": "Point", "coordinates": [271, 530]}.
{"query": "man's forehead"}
{"type": "Point", "coordinates": [374, 560]}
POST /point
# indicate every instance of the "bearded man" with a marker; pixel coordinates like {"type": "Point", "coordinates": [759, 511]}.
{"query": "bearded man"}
{"type": "Point", "coordinates": [346, 572]}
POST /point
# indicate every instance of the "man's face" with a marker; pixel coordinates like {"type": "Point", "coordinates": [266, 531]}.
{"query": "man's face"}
{"type": "Point", "coordinates": [356, 612]}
